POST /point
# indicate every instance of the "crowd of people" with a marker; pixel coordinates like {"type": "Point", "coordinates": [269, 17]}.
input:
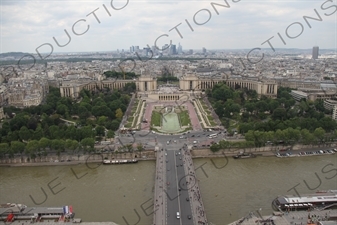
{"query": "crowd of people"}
{"type": "Point", "coordinates": [197, 205]}
{"type": "Point", "coordinates": [159, 203]}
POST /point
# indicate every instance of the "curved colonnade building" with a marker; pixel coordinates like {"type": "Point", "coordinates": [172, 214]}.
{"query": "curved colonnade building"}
{"type": "Point", "coordinates": [147, 86]}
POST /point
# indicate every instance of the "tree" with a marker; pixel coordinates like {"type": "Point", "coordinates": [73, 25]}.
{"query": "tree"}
{"type": "Point", "coordinates": [5, 129]}
{"type": "Point", "coordinates": [55, 132]}
{"type": "Point", "coordinates": [86, 132]}
{"type": "Point", "coordinates": [74, 145]}
{"type": "Point", "coordinates": [62, 109]}
{"type": "Point", "coordinates": [72, 133]}
{"type": "Point", "coordinates": [25, 134]}
{"type": "Point", "coordinates": [279, 114]}
{"type": "Point", "coordinates": [17, 147]}
{"type": "Point", "coordinates": [307, 137]}
{"type": "Point", "coordinates": [129, 87]}
{"type": "Point", "coordinates": [110, 134]}
{"type": "Point", "coordinates": [215, 147]}
{"type": "Point", "coordinates": [83, 112]}
{"type": "Point", "coordinates": [32, 123]}
{"type": "Point", "coordinates": [119, 113]}
{"type": "Point", "coordinates": [18, 121]}
{"type": "Point", "coordinates": [88, 143]}
{"type": "Point", "coordinates": [32, 147]}
{"type": "Point", "coordinates": [38, 134]}
{"type": "Point", "coordinates": [102, 120]}
{"type": "Point", "coordinates": [319, 133]}
{"type": "Point", "coordinates": [101, 110]}
{"type": "Point", "coordinates": [250, 107]}
{"type": "Point", "coordinates": [100, 131]}
{"type": "Point", "coordinates": [272, 105]}
{"type": "Point", "coordinates": [44, 143]}
{"type": "Point", "coordinates": [4, 149]}
{"type": "Point", "coordinates": [262, 106]}
{"type": "Point", "coordinates": [58, 145]}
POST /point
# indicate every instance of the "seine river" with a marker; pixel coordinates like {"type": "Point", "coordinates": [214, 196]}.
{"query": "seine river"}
{"type": "Point", "coordinates": [122, 193]}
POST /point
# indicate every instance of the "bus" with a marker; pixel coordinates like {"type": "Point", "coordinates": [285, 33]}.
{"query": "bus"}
{"type": "Point", "coordinates": [213, 135]}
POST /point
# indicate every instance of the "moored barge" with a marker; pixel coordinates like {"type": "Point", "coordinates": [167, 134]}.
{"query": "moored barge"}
{"type": "Point", "coordinates": [244, 156]}
{"type": "Point", "coordinates": [320, 200]}
{"type": "Point", "coordinates": [122, 161]}
{"type": "Point", "coordinates": [10, 212]}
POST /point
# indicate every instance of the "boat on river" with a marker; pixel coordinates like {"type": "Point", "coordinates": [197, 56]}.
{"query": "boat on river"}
{"type": "Point", "coordinates": [122, 161]}
{"type": "Point", "coordinates": [244, 155]}
{"type": "Point", "coordinates": [10, 212]}
{"type": "Point", "coordinates": [318, 200]}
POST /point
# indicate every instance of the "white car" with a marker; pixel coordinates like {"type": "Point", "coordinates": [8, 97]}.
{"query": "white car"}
{"type": "Point", "coordinates": [153, 132]}
{"type": "Point", "coordinates": [178, 215]}
{"type": "Point", "coordinates": [181, 137]}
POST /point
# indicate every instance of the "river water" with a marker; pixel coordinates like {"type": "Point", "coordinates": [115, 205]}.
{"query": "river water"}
{"type": "Point", "coordinates": [123, 193]}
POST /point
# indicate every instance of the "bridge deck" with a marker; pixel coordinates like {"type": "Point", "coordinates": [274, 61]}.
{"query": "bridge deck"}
{"type": "Point", "coordinates": [177, 190]}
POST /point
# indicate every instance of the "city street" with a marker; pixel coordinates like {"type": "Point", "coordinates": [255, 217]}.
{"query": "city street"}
{"type": "Point", "coordinates": [149, 139]}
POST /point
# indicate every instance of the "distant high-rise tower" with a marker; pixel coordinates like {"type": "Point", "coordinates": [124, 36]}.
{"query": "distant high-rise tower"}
{"type": "Point", "coordinates": [204, 50]}
{"type": "Point", "coordinates": [173, 50]}
{"type": "Point", "coordinates": [180, 49]}
{"type": "Point", "coordinates": [315, 50]}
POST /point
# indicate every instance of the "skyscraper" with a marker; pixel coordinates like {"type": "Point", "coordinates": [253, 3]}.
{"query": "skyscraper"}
{"type": "Point", "coordinates": [315, 52]}
{"type": "Point", "coordinates": [173, 50]}
{"type": "Point", "coordinates": [180, 49]}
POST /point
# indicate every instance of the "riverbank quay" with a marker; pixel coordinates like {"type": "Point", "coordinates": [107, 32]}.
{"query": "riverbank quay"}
{"type": "Point", "coordinates": [19, 222]}
{"type": "Point", "coordinates": [150, 155]}
{"type": "Point", "coordinates": [290, 218]}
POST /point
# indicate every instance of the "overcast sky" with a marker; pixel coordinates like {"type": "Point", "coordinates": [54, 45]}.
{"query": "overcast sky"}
{"type": "Point", "coordinates": [25, 25]}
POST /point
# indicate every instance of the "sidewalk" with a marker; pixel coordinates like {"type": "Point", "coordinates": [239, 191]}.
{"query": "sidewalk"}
{"type": "Point", "coordinates": [159, 205]}
{"type": "Point", "coordinates": [197, 206]}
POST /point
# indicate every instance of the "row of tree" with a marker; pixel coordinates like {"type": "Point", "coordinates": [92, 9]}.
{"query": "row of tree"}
{"type": "Point", "coordinates": [45, 146]}
{"type": "Point", "coordinates": [120, 75]}
{"type": "Point", "coordinates": [287, 136]}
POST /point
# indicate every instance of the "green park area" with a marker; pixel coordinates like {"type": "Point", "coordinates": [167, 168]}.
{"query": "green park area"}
{"type": "Point", "coordinates": [263, 120]}
{"type": "Point", "coordinates": [184, 118]}
{"type": "Point", "coordinates": [63, 124]}
{"type": "Point", "coordinates": [155, 119]}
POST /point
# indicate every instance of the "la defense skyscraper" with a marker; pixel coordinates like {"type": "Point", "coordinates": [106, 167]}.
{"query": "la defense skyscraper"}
{"type": "Point", "coordinates": [315, 52]}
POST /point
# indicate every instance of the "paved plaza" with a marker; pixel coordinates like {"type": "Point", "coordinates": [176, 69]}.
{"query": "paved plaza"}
{"type": "Point", "coordinates": [191, 111]}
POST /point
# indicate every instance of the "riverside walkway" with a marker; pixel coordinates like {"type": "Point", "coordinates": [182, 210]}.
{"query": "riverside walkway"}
{"type": "Point", "coordinates": [290, 218]}
{"type": "Point", "coordinates": [177, 190]}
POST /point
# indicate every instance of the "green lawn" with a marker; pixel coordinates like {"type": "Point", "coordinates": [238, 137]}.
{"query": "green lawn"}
{"type": "Point", "coordinates": [211, 120]}
{"type": "Point", "coordinates": [184, 118]}
{"type": "Point", "coordinates": [155, 119]}
{"type": "Point", "coordinates": [127, 125]}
